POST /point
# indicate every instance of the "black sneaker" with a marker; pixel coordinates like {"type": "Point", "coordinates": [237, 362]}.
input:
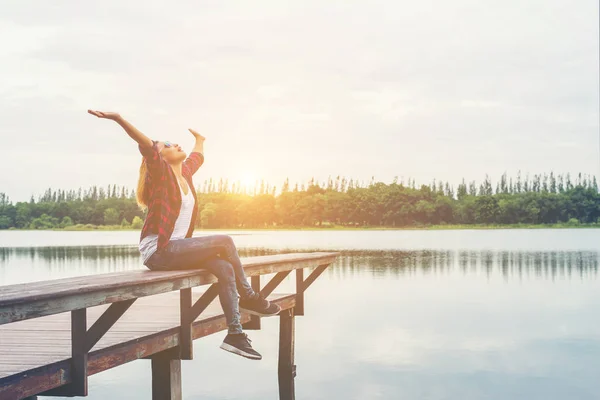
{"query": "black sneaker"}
{"type": "Point", "coordinates": [260, 306]}
{"type": "Point", "coordinates": [240, 344]}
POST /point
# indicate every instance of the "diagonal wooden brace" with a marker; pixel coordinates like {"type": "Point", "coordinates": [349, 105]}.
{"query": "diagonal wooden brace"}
{"type": "Point", "coordinates": [313, 276]}
{"type": "Point", "coordinates": [204, 301]}
{"type": "Point", "coordinates": [105, 322]}
{"type": "Point", "coordinates": [273, 283]}
{"type": "Point", "coordinates": [189, 313]}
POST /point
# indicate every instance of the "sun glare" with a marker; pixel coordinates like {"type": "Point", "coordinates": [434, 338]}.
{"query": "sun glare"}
{"type": "Point", "coordinates": [248, 180]}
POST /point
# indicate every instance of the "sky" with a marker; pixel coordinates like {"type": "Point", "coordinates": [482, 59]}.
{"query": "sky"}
{"type": "Point", "coordinates": [299, 89]}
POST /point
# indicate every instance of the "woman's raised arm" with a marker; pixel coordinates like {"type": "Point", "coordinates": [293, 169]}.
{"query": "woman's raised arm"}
{"type": "Point", "coordinates": [196, 157]}
{"type": "Point", "coordinates": [199, 145]}
{"type": "Point", "coordinates": [131, 130]}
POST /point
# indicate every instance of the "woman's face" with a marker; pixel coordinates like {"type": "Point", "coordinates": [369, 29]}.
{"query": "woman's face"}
{"type": "Point", "coordinates": [171, 152]}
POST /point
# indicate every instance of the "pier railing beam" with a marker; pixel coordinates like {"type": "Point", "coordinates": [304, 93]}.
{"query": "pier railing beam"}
{"type": "Point", "coordinates": [166, 376]}
{"type": "Point", "coordinates": [286, 368]}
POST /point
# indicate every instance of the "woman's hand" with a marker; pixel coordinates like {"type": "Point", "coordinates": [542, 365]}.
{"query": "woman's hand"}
{"type": "Point", "coordinates": [105, 114]}
{"type": "Point", "coordinates": [131, 130]}
{"type": "Point", "coordinates": [197, 135]}
{"type": "Point", "coordinates": [199, 146]}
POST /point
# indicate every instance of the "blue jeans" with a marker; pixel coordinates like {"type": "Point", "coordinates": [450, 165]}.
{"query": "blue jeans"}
{"type": "Point", "coordinates": [217, 254]}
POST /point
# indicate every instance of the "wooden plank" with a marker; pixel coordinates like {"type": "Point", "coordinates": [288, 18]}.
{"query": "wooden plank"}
{"type": "Point", "coordinates": [111, 352]}
{"type": "Point", "coordinates": [144, 333]}
{"type": "Point", "coordinates": [290, 265]}
{"type": "Point", "coordinates": [36, 299]}
{"type": "Point", "coordinates": [45, 290]}
{"type": "Point", "coordinates": [32, 291]}
{"type": "Point", "coordinates": [35, 309]}
{"type": "Point", "coordinates": [35, 380]}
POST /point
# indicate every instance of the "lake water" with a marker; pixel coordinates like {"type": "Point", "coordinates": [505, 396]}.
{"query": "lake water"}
{"type": "Point", "coordinates": [500, 314]}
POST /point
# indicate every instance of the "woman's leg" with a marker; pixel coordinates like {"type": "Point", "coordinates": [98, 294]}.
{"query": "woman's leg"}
{"type": "Point", "coordinates": [192, 251]}
{"type": "Point", "coordinates": [182, 256]}
{"type": "Point", "coordinates": [228, 295]}
{"type": "Point", "coordinates": [231, 254]}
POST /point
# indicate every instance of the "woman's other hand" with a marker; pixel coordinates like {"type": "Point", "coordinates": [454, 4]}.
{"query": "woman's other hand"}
{"type": "Point", "coordinates": [105, 114]}
{"type": "Point", "coordinates": [196, 134]}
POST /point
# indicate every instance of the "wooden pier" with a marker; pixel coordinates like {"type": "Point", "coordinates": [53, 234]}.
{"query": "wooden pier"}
{"type": "Point", "coordinates": [54, 334]}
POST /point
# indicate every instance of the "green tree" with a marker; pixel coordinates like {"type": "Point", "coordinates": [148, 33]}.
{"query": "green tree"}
{"type": "Point", "coordinates": [23, 218]}
{"type": "Point", "coordinates": [207, 215]}
{"type": "Point", "coordinates": [137, 223]}
{"type": "Point", "coordinates": [66, 222]}
{"type": "Point", "coordinates": [5, 222]}
{"type": "Point", "coordinates": [111, 216]}
{"type": "Point", "coordinates": [44, 222]}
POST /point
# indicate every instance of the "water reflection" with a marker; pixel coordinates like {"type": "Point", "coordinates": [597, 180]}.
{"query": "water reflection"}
{"type": "Point", "coordinates": [510, 264]}
{"type": "Point", "coordinates": [22, 264]}
{"type": "Point", "coordinates": [462, 325]}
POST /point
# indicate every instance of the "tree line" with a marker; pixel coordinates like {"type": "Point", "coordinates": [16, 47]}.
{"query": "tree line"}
{"type": "Point", "coordinates": [541, 199]}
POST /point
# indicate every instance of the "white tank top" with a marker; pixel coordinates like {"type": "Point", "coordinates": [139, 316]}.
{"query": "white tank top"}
{"type": "Point", "coordinates": [149, 244]}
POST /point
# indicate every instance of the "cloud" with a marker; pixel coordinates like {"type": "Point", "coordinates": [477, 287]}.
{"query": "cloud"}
{"type": "Point", "coordinates": [424, 89]}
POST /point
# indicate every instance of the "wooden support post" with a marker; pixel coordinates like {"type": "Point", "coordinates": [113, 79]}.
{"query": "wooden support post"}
{"type": "Point", "coordinates": [82, 341]}
{"type": "Point", "coordinates": [79, 359]}
{"type": "Point", "coordinates": [299, 307]}
{"type": "Point", "coordinates": [186, 346]}
{"type": "Point", "coordinates": [79, 386]}
{"type": "Point", "coordinates": [254, 323]}
{"type": "Point", "coordinates": [286, 368]}
{"type": "Point", "coordinates": [166, 376]}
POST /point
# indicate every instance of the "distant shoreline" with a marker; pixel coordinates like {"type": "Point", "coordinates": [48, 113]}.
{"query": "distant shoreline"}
{"type": "Point", "coordinates": [105, 228]}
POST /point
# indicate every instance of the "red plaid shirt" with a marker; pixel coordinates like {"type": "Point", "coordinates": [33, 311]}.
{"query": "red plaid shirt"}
{"type": "Point", "coordinates": [165, 195]}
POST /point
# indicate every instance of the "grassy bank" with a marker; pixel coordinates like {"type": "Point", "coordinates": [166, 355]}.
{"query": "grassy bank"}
{"type": "Point", "coordinates": [89, 227]}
